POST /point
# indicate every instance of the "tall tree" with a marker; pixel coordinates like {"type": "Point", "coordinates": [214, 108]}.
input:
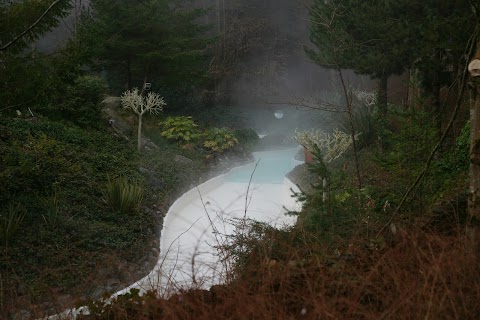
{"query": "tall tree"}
{"type": "Point", "coordinates": [381, 38]}
{"type": "Point", "coordinates": [366, 37]}
{"type": "Point", "coordinates": [24, 74]}
{"type": "Point", "coordinates": [23, 22]}
{"type": "Point", "coordinates": [334, 46]}
{"type": "Point", "coordinates": [444, 29]}
{"type": "Point", "coordinates": [143, 41]}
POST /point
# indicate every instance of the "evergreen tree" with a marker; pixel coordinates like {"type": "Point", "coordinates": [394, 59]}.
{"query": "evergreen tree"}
{"type": "Point", "coordinates": [445, 30]}
{"type": "Point", "coordinates": [23, 22]}
{"type": "Point", "coordinates": [366, 36]}
{"type": "Point", "coordinates": [143, 41]}
{"type": "Point", "coordinates": [26, 76]}
{"type": "Point", "coordinates": [380, 38]}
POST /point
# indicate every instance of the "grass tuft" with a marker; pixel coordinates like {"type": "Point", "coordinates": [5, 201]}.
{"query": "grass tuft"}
{"type": "Point", "coordinates": [122, 195]}
{"type": "Point", "coordinates": [52, 215]}
{"type": "Point", "coordinates": [10, 220]}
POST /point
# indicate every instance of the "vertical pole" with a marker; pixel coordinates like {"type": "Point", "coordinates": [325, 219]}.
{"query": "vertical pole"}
{"type": "Point", "coordinates": [325, 191]}
{"type": "Point", "coordinates": [139, 133]}
{"type": "Point", "coordinates": [473, 228]}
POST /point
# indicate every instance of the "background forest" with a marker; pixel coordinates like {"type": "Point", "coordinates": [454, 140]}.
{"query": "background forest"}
{"type": "Point", "coordinates": [388, 224]}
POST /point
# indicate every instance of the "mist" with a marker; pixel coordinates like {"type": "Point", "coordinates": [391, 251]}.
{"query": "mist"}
{"type": "Point", "coordinates": [274, 74]}
{"type": "Point", "coordinates": [277, 75]}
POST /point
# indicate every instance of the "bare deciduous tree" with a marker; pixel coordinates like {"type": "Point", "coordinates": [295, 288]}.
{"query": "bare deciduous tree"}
{"type": "Point", "coordinates": [153, 103]}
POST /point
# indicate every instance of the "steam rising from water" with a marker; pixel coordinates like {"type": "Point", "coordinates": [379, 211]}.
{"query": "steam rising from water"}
{"type": "Point", "coordinates": [279, 76]}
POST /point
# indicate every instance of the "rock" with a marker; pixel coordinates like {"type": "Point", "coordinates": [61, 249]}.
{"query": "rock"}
{"type": "Point", "coordinates": [149, 145]}
{"type": "Point", "coordinates": [110, 112]}
{"type": "Point", "coordinates": [112, 102]}
{"type": "Point", "coordinates": [144, 170]}
{"type": "Point", "coordinates": [64, 301]}
{"type": "Point", "coordinates": [22, 315]}
{"type": "Point", "coordinates": [182, 160]}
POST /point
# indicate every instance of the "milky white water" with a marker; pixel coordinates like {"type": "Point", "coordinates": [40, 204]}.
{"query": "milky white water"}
{"type": "Point", "coordinates": [199, 220]}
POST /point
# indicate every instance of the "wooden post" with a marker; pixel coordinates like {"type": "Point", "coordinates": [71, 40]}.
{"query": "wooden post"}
{"type": "Point", "coordinates": [473, 230]}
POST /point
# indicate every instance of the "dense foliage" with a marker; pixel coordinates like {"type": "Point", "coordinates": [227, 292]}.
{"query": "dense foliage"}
{"type": "Point", "coordinates": [155, 41]}
{"type": "Point", "coordinates": [55, 175]}
{"type": "Point", "coordinates": [383, 38]}
{"type": "Point", "coordinates": [80, 210]}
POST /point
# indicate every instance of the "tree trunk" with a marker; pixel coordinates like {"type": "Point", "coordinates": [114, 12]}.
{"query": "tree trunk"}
{"type": "Point", "coordinates": [129, 75]}
{"type": "Point", "coordinates": [139, 133]}
{"type": "Point", "coordinates": [382, 95]}
{"type": "Point", "coordinates": [436, 105]}
{"type": "Point", "coordinates": [474, 196]}
{"type": "Point", "coordinates": [324, 188]}
{"type": "Point", "coordinates": [473, 229]}
{"type": "Point", "coordinates": [348, 100]}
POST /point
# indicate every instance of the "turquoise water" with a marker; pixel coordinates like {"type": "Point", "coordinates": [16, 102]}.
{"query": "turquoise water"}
{"type": "Point", "coordinates": [272, 167]}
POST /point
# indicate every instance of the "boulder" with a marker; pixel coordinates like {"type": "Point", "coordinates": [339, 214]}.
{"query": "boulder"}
{"type": "Point", "coordinates": [182, 160]}
{"type": "Point", "coordinates": [149, 145]}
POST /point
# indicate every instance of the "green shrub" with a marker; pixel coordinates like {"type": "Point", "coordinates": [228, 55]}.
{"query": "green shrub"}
{"type": "Point", "coordinates": [246, 137]}
{"type": "Point", "coordinates": [407, 139]}
{"type": "Point", "coordinates": [458, 159]}
{"type": "Point", "coordinates": [10, 220]}
{"type": "Point", "coordinates": [44, 163]}
{"type": "Point", "coordinates": [181, 129]}
{"type": "Point", "coordinates": [123, 196]}
{"type": "Point", "coordinates": [82, 102]}
{"type": "Point", "coordinates": [219, 139]}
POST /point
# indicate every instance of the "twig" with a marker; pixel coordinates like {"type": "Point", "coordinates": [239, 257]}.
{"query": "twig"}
{"type": "Point", "coordinates": [215, 230]}
{"type": "Point", "coordinates": [247, 203]}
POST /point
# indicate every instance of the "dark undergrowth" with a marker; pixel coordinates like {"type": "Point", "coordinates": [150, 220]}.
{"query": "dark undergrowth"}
{"type": "Point", "coordinates": [61, 239]}
{"type": "Point", "coordinates": [420, 275]}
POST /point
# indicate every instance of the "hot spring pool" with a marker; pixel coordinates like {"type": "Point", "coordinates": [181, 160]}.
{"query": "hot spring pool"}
{"type": "Point", "coordinates": [201, 220]}
{"type": "Point", "coordinates": [272, 167]}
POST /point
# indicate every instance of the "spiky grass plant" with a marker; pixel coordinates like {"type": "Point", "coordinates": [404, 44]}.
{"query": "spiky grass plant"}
{"type": "Point", "coordinates": [52, 215]}
{"type": "Point", "coordinates": [122, 195]}
{"type": "Point", "coordinates": [10, 220]}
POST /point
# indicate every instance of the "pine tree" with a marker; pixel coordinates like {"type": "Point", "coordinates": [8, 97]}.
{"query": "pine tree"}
{"type": "Point", "coordinates": [381, 38]}
{"type": "Point", "coordinates": [23, 22]}
{"type": "Point", "coordinates": [25, 76]}
{"type": "Point", "coordinates": [152, 40]}
{"type": "Point", "coordinates": [368, 37]}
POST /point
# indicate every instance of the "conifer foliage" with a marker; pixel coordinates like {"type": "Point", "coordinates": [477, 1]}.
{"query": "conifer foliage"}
{"type": "Point", "coordinates": [142, 41]}
{"type": "Point", "coordinates": [383, 38]}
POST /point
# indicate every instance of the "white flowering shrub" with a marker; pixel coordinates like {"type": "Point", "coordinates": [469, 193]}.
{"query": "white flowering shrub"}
{"type": "Point", "coordinates": [367, 98]}
{"type": "Point", "coordinates": [333, 145]}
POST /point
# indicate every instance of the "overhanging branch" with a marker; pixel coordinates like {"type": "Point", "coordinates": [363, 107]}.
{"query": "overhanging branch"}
{"type": "Point", "coordinates": [5, 47]}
